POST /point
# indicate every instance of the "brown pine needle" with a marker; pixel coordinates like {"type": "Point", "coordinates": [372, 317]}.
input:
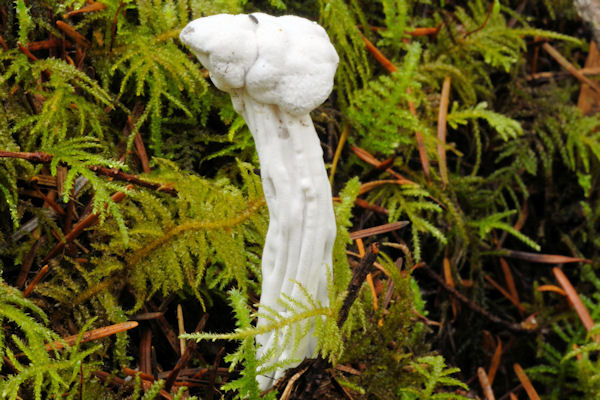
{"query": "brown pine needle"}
{"type": "Point", "coordinates": [526, 382]}
{"type": "Point", "coordinates": [370, 159]}
{"type": "Point", "coordinates": [377, 230]}
{"type": "Point", "coordinates": [495, 362]}
{"type": "Point", "coordinates": [441, 130]}
{"type": "Point", "coordinates": [391, 68]}
{"type": "Point", "coordinates": [36, 280]}
{"type": "Point", "coordinates": [181, 327]}
{"type": "Point", "coordinates": [510, 281]}
{"type": "Point", "coordinates": [499, 287]}
{"type": "Point", "coordinates": [81, 226]}
{"type": "Point", "coordinates": [574, 298]}
{"type": "Point", "coordinates": [381, 59]}
{"type": "Point", "coordinates": [544, 258]}
{"type": "Point", "coordinates": [73, 34]}
{"type": "Point", "coordinates": [94, 334]}
{"type": "Point", "coordinates": [367, 187]}
{"type": "Point", "coordinates": [552, 288]}
{"type": "Point", "coordinates": [95, 6]}
{"type": "Point", "coordinates": [338, 152]}
{"type": "Point", "coordinates": [485, 384]}
{"type": "Point", "coordinates": [450, 281]}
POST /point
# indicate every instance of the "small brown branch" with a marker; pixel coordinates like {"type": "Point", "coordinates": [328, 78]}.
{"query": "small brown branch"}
{"type": "Point", "coordinates": [114, 26]}
{"type": "Point", "coordinates": [45, 158]}
{"type": "Point", "coordinates": [487, 18]}
{"type": "Point", "coordinates": [185, 356]}
{"type": "Point", "coordinates": [27, 263]}
{"type": "Point", "coordinates": [213, 374]}
{"type": "Point", "coordinates": [81, 226]}
{"type": "Point", "coordinates": [570, 67]}
{"type": "Point", "coordinates": [36, 279]}
{"type": "Point", "coordinates": [358, 277]}
{"type": "Point", "coordinates": [145, 359]}
{"type": "Point", "coordinates": [515, 327]}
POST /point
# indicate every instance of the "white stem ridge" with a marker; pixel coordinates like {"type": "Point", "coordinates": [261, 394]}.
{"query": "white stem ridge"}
{"type": "Point", "coordinates": [299, 243]}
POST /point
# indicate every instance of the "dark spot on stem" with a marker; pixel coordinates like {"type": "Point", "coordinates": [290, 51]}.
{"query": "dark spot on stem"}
{"type": "Point", "coordinates": [253, 18]}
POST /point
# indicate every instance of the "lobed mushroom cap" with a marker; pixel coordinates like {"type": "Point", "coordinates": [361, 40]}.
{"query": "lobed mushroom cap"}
{"type": "Point", "coordinates": [287, 61]}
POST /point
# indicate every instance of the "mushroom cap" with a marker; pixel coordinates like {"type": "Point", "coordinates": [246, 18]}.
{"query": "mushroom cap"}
{"type": "Point", "coordinates": [287, 61]}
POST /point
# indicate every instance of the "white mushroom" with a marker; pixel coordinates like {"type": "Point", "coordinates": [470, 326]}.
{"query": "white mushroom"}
{"type": "Point", "coordinates": [278, 69]}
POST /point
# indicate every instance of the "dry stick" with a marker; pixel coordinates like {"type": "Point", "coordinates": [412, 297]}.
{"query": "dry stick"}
{"type": "Point", "coordinates": [526, 382]}
{"type": "Point", "coordinates": [358, 277]}
{"type": "Point", "coordinates": [79, 228]}
{"type": "Point", "coordinates": [45, 158]}
{"type": "Point", "coordinates": [36, 279]}
{"type": "Point", "coordinates": [388, 65]}
{"type": "Point", "coordinates": [441, 130]}
{"type": "Point", "coordinates": [213, 374]}
{"type": "Point", "coordinates": [515, 327]}
{"type": "Point", "coordinates": [485, 384]}
{"type": "Point", "coordinates": [569, 67]}
{"type": "Point", "coordinates": [137, 111]}
{"type": "Point", "coordinates": [146, 350]}
{"type": "Point", "coordinates": [185, 356]}
{"type": "Point", "coordinates": [552, 74]}
{"type": "Point", "coordinates": [27, 263]}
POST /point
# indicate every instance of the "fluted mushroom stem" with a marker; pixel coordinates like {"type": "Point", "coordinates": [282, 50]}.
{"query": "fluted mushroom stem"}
{"type": "Point", "coordinates": [299, 242]}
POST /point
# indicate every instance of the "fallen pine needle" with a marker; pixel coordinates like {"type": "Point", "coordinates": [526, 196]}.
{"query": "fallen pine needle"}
{"type": "Point", "coordinates": [526, 382]}
{"type": "Point", "coordinates": [573, 297]}
{"type": "Point", "coordinates": [485, 384]}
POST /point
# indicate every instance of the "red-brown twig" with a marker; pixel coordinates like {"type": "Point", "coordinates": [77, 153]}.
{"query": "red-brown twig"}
{"type": "Point", "coordinates": [81, 226]}
{"type": "Point", "coordinates": [45, 158]}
